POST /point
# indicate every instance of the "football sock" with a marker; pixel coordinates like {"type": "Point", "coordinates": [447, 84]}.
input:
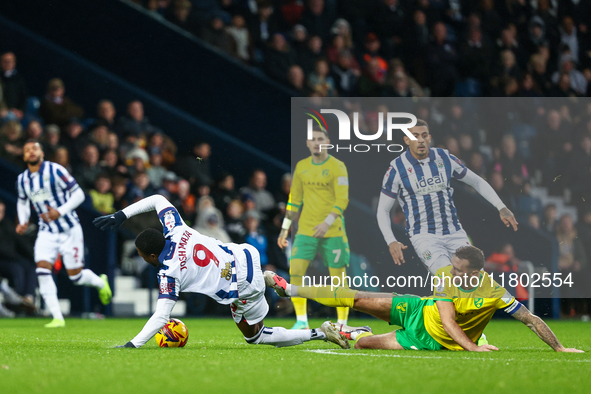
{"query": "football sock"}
{"type": "Point", "coordinates": [340, 296]}
{"type": "Point", "coordinates": [358, 335]}
{"type": "Point", "coordinates": [297, 269]}
{"type": "Point", "coordinates": [342, 312]}
{"type": "Point", "coordinates": [300, 305]}
{"type": "Point", "coordinates": [48, 291]}
{"type": "Point", "coordinates": [87, 278]}
{"type": "Point", "coordinates": [281, 337]}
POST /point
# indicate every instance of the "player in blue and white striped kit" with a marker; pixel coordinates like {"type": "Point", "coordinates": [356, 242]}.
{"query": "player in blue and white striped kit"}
{"type": "Point", "coordinates": [420, 179]}
{"type": "Point", "coordinates": [55, 195]}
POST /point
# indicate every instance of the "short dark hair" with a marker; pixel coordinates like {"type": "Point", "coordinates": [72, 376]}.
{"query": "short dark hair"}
{"type": "Point", "coordinates": [421, 122]}
{"type": "Point", "coordinates": [474, 256]}
{"type": "Point", "coordinates": [150, 241]}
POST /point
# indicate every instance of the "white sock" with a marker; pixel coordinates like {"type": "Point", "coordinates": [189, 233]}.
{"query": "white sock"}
{"type": "Point", "coordinates": [281, 337]}
{"type": "Point", "coordinates": [87, 278]}
{"type": "Point", "coordinates": [48, 291]}
{"type": "Point", "coordinates": [303, 319]}
{"type": "Point", "coordinates": [343, 322]}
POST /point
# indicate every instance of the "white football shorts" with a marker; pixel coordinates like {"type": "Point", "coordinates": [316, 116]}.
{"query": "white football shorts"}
{"type": "Point", "coordinates": [436, 251]}
{"type": "Point", "coordinates": [70, 244]}
{"type": "Point", "coordinates": [252, 305]}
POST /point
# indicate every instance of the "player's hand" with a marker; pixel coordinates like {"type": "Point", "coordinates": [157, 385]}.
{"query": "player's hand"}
{"type": "Point", "coordinates": [110, 222]}
{"type": "Point", "coordinates": [486, 348]}
{"type": "Point", "coordinates": [508, 218]}
{"type": "Point", "coordinates": [570, 350]}
{"type": "Point", "coordinates": [21, 228]}
{"type": "Point", "coordinates": [50, 215]}
{"type": "Point", "coordinates": [128, 344]}
{"type": "Point", "coordinates": [396, 249]}
{"type": "Point", "coordinates": [282, 239]}
{"type": "Point", "coordinates": [320, 230]}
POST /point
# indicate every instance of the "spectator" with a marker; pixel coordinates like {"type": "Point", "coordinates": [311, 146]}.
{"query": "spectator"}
{"type": "Point", "coordinates": [442, 58]}
{"type": "Point", "coordinates": [372, 81]}
{"type": "Point", "coordinates": [156, 171]}
{"type": "Point", "coordinates": [57, 108]}
{"type": "Point", "coordinates": [563, 87]}
{"type": "Point", "coordinates": [135, 123]}
{"type": "Point", "coordinates": [106, 113]}
{"type": "Point", "coordinates": [309, 55]}
{"type": "Point", "coordinates": [216, 35]}
{"type": "Point", "coordinates": [511, 165]}
{"type": "Point", "coordinates": [17, 260]}
{"type": "Point", "coordinates": [580, 175]}
{"type": "Point", "coordinates": [527, 204]}
{"type": "Point", "coordinates": [390, 24]}
{"type": "Point", "coordinates": [457, 122]}
{"type": "Point", "coordinates": [169, 187]}
{"type": "Point", "coordinates": [34, 130]}
{"type": "Point", "coordinates": [11, 142]}
{"type": "Point", "coordinates": [210, 223]}
{"type": "Point", "coordinates": [508, 41]}
{"type": "Point", "coordinates": [256, 188]}
{"type": "Point", "coordinates": [167, 147]}
{"type": "Point", "coordinates": [140, 188]}
{"type": "Point", "coordinates": [86, 173]}
{"type": "Point", "coordinates": [550, 218]}
{"type": "Point", "coordinates": [52, 139]}
{"type": "Point", "coordinates": [317, 20]}
{"type": "Point", "coordinates": [188, 202]}
{"type": "Point", "coordinates": [102, 198]}
{"type": "Point", "coordinates": [498, 184]}
{"type": "Point", "coordinates": [568, 37]}
{"type": "Point", "coordinates": [297, 80]}
{"type": "Point", "coordinates": [264, 25]}
{"type": "Point", "coordinates": [181, 16]}
{"type": "Point", "coordinates": [282, 194]}
{"type": "Point", "coordinates": [61, 156]}
{"type": "Point", "coordinates": [553, 149]}
{"type": "Point", "coordinates": [476, 164]}
{"type": "Point", "coordinates": [74, 141]}
{"type": "Point", "coordinates": [578, 83]}
{"type": "Point", "coordinates": [538, 67]}
{"type": "Point", "coordinates": [119, 190]}
{"type": "Point", "coordinates": [320, 82]}
{"type": "Point", "coordinates": [99, 136]}
{"type": "Point", "coordinates": [234, 226]}
{"type": "Point", "coordinates": [278, 58]}
{"type": "Point", "coordinates": [299, 38]}
{"type": "Point", "coordinates": [14, 86]}
{"type": "Point", "coordinates": [194, 166]}
{"type": "Point", "coordinates": [254, 236]}
{"type": "Point", "coordinates": [238, 31]}
{"type": "Point", "coordinates": [372, 51]}
{"type": "Point", "coordinates": [345, 75]}
{"type": "Point", "coordinates": [224, 191]}
{"type": "Point", "coordinates": [537, 34]}
{"type": "Point", "coordinates": [534, 221]}
{"type": "Point", "coordinates": [583, 228]}
{"type": "Point", "coordinates": [110, 164]}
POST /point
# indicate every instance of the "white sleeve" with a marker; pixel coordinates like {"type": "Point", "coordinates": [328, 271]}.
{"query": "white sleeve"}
{"type": "Point", "coordinates": [157, 321]}
{"type": "Point", "coordinates": [76, 198]}
{"type": "Point", "coordinates": [156, 202]}
{"type": "Point", "coordinates": [483, 188]}
{"type": "Point", "coordinates": [385, 205]}
{"type": "Point", "coordinates": [23, 209]}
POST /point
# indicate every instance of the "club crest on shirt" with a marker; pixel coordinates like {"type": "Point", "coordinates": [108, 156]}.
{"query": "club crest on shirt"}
{"type": "Point", "coordinates": [169, 220]}
{"type": "Point", "coordinates": [401, 307]}
{"type": "Point", "coordinates": [226, 273]}
{"type": "Point", "coordinates": [439, 163]}
{"type": "Point", "coordinates": [478, 302]}
{"type": "Point", "coordinates": [427, 255]}
{"type": "Point", "coordinates": [325, 172]}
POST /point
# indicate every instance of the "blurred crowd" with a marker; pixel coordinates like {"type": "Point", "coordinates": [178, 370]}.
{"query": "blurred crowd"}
{"type": "Point", "coordinates": [400, 48]}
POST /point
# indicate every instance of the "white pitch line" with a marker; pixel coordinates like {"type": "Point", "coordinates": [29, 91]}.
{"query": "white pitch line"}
{"type": "Point", "coordinates": [333, 352]}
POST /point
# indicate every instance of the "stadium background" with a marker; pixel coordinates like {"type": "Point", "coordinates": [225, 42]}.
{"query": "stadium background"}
{"type": "Point", "coordinates": [195, 85]}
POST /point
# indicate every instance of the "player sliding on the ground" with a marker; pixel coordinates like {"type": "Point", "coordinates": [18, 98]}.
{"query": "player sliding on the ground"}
{"type": "Point", "coordinates": [453, 318]}
{"type": "Point", "coordinates": [229, 273]}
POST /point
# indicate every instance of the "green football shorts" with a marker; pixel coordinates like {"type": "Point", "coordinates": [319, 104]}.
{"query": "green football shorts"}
{"type": "Point", "coordinates": [334, 250]}
{"type": "Point", "coordinates": [407, 312]}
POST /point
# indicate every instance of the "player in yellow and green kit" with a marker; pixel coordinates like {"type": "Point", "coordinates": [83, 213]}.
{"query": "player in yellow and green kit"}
{"type": "Point", "coordinates": [320, 192]}
{"type": "Point", "coordinates": [453, 318]}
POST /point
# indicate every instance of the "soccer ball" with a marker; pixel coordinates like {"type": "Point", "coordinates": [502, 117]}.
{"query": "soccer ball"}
{"type": "Point", "coordinates": [173, 334]}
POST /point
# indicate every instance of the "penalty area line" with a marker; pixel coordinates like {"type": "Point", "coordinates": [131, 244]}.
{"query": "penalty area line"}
{"type": "Point", "coordinates": [337, 353]}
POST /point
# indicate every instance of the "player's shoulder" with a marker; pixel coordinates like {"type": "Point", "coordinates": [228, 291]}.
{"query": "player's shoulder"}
{"type": "Point", "coordinates": [334, 161]}
{"type": "Point", "coordinates": [56, 167]}
{"type": "Point", "coordinates": [444, 271]}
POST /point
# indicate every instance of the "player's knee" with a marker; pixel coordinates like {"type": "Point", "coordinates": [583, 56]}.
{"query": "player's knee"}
{"type": "Point", "coordinates": [359, 344]}
{"type": "Point", "coordinates": [298, 267]}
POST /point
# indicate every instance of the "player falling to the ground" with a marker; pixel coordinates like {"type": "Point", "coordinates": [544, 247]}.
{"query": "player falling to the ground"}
{"type": "Point", "coordinates": [454, 318]}
{"type": "Point", "coordinates": [55, 195]}
{"type": "Point", "coordinates": [191, 262]}
{"type": "Point", "coordinates": [420, 179]}
{"type": "Point", "coordinates": [320, 182]}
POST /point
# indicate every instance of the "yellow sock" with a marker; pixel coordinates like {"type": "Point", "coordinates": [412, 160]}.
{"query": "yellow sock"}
{"type": "Point", "coordinates": [301, 308]}
{"type": "Point", "coordinates": [363, 334]}
{"type": "Point", "coordinates": [297, 269]}
{"type": "Point", "coordinates": [340, 296]}
{"type": "Point", "coordinates": [342, 312]}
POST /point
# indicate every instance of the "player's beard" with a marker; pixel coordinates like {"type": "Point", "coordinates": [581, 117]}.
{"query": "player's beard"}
{"type": "Point", "coordinates": [34, 163]}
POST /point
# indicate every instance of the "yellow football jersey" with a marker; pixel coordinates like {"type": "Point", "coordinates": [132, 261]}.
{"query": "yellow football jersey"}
{"type": "Point", "coordinates": [474, 308]}
{"type": "Point", "coordinates": [319, 189]}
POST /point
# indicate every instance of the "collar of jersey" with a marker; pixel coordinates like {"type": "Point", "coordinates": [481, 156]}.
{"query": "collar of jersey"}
{"type": "Point", "coordinates": [474, 289]}
{"type": "Point", "coordinates": [39, 171]}
{"type": "Point", "coordinates": [414, 161]}
{"type": "Point", "coordinates": [319, 164]}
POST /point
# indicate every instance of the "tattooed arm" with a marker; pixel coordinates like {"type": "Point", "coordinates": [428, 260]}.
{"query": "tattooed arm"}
{"type": "Point", "coordinates": [541, 329]}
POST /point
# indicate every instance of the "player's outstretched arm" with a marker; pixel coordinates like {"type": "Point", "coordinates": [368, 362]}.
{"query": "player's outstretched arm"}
{"type": "Point", "coordinates": [113, 222]}
{"type": "Point", "coordinates": [447, 312]}
{"type": "Point", "coordinates": [157, 321]}
{"type": "Point", "coordinates": [486, 191]}
{"type": "Point", "coordinates": [541, 329]}
{"type": "Point", "coordinates": [396, 248]}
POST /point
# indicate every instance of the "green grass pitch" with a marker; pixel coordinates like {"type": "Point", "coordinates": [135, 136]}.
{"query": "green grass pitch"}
{"type": "Point", "coordinates": [81, 359]}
